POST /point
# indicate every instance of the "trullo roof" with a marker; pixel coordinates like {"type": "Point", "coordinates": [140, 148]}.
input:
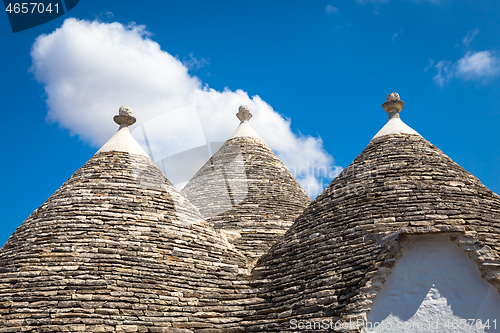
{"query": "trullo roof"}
{"type": "Point", "coordinates": [247, 192]}
{"type": "Point", "coordinates": [333, 260]}
{"type": "Point", "coordinates": [118, 249]}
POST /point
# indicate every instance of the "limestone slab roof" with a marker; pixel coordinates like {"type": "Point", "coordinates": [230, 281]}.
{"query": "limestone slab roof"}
{"type": "Point", "coordinates": [247, 192]}
{"type": "Point", "coordinates": [118, 248]}
{"type": "Point", "coordinates": [332, 261]}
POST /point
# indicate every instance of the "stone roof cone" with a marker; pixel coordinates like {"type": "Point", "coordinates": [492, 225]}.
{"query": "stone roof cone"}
{"type": "Point", "coordinates": [117, 249]}
{"type": "Point", "coordinates": [338, 254]}
{"type": "Point", "coordinates": [245, 191]}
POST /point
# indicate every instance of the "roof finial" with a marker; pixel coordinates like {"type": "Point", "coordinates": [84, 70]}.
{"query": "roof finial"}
{"type": "Point", "coordinates": [124, 118]}
{"type": "Point", "coordinates": [393, 105]}
{"type": "Point", "coordinates": [244, 113]}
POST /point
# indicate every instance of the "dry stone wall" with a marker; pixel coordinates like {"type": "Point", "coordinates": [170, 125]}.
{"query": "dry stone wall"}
{"type": "Point", "coordinates": [118, 249]}
{"type": "Point", "coordinates": [326, 265]}
{"type": "Point", "coordinates": [247, 192]}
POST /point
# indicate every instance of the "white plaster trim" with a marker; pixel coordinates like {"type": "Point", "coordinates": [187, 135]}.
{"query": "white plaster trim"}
{"type": "Point", "coordinates": [245, 130]}
{"type": "Point", "coordinates": [395, 126]}
{"type": "Point", "coordinates": [487, 261]}
{"type": "Point", "coordinates": [123, 141]}
{"type": "Point", "coordinates": [456, 289]}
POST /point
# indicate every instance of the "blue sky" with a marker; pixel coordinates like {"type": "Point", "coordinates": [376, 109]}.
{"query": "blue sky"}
{"type": "Point", "coordinates": [314, 75]}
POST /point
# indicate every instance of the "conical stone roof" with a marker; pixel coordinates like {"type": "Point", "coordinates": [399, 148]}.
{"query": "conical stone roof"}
{"type": "Point", "coordinates": [336, 256]}
{"type": "Point", "coordinates": [245, 191]}
{"type": "Point", "coordinates": [118, 249]}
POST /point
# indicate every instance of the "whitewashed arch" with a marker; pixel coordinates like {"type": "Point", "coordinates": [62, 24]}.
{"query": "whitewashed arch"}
{"type": "Point", "coordinates": [434, 286]}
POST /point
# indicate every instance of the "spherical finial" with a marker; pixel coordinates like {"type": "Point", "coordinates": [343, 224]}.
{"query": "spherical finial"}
{"type": "Point", "coordinates": [125, 111]}
{"type": "Point", "coordinates": [244, 113]}
{"type": "Point", "coordinates": [393, 104]}
{"type": "Point", "coordinates": [124, 117]}
{"type": "Point", "coordinates": [394, 96]}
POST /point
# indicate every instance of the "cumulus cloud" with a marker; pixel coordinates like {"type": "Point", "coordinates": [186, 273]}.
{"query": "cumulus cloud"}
{"type": "Point", "coordinates": [331, 9]}
{"type": "Point", "coordinates": [89, 69]}
{"type": "Point", "coordinates": [476, 66]}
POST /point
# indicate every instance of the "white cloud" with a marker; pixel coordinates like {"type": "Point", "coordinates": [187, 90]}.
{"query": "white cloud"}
{"type": "Point", "coordinates": [331, 10]}
{"type": "Point", "coordinates": [478, 65]}
{"type": "Point", "coordinates": [373, 1]}
{"type": "Point", "coordinates": [89, 69]}
{"type": "Point", "coordinates": [469, 37]}
{"type": "Point", "coordinates": [431, 1]}
{"type": "Point", "coordinates": [430, 63]}
{"type": "Point", "coordinates": [387, 1]}
{"type": "Point", "coordinates": [396, 34]}
{"type": "Point", "coordinates": [444, 72]}
{"type": "Point", "coordinates": [472, 66]}
{"type": "Point", "coordinates": [193, 63]}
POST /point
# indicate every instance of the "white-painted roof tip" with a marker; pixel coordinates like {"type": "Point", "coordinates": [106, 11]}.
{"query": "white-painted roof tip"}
{"type": "Point", "coordinates": [244, 129]}
{"type": "Point", "coordinates": [395, 125]}
{"type": "Point", "coordinates": [123, 140]}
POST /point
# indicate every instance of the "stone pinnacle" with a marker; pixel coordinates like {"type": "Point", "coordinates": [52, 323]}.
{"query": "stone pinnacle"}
{"type": "Point", "coordinates": [393, 105]}
{"type": "Point", "coordinates": [124, 117]}
{"type": "Point", "coordinates": [244, 113]}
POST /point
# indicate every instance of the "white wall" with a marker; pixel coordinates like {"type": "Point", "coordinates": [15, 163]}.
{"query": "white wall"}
{"type": "Point", "coordinates": [434, 282]}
